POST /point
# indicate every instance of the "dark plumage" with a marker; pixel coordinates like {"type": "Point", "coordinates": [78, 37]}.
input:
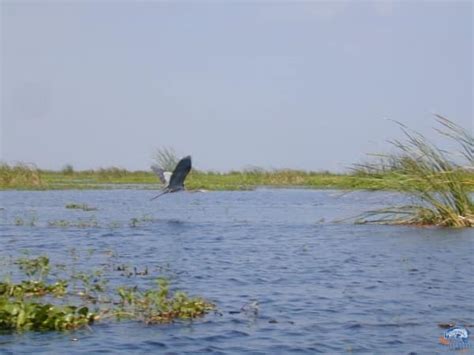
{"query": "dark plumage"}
{"type": "Point", "coordinates": [177, 178]}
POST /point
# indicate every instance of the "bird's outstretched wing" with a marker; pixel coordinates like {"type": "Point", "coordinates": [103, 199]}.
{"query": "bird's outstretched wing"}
{"type": "Point", "coordinates": [180, 173]}
{"type": "Point", "coordinates": [159, 172]}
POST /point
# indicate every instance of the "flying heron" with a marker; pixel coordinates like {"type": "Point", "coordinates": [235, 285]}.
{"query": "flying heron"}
{"type": "Point", "coordinates": [176, 181]}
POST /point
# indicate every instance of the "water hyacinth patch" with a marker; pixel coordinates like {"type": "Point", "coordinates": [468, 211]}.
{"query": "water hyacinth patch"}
{"type": "Point", "coordinates": [43, 303]}
{"type": "Point", "coordinates": [21, 315]}
{"type": "Point", "coordinates": [158, 305]}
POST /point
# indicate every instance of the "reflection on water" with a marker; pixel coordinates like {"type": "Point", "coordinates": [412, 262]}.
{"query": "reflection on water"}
{"type": "Point", "coordinates": [284, 276]}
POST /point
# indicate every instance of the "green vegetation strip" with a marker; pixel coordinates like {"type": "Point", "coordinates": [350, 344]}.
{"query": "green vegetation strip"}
{"type": "Point", "coordinates": [24, 177]}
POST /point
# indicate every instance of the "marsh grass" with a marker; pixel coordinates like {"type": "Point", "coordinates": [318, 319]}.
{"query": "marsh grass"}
{"type": "Point", "coordinates": [362, 178]}
{"type": "Point", "coordinates": [103, 178]}
{"type": "Point", "coordinates": [438, 181]}
{"type": "Point", "coordinates": [20, 175]}
{"type": "Point", "coordinates": [68, 169]}
{"type": "Point", "coordinates": [166, 158]}
{"type": "Point", "coordinates": [210, 180]}
{"type": "Point", "coordinates": [251, 179]}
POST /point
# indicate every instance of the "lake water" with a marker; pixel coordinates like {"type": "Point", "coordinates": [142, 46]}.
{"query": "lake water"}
{"type": "Point", "coordinates": [320, 286]}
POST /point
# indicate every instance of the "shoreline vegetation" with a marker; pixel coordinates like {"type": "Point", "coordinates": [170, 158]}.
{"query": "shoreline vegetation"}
{"type": "Point", "coordinates": [23, 176]}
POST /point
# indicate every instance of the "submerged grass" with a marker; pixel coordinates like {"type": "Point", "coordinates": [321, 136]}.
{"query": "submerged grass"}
{"type": "Point", "coordinates": [439, 182]}
{"type": "Point", "coordinates": [80, 206]}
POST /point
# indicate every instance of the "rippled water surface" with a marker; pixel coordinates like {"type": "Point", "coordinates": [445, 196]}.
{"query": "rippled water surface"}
{"type": "Point", "coordinates": [321, 286]}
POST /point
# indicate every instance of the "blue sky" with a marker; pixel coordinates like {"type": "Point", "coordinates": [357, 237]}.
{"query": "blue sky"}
{"type": "Point", "coordinates": [303, 85]}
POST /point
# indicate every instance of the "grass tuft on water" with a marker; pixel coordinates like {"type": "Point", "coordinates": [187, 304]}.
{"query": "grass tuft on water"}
{"type": "Point", "coordinates": [439, 181]}
{"type": "Point", "coordinates": [80, 206]}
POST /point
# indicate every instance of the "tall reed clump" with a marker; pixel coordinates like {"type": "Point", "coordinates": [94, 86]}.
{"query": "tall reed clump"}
{"type": "Point", "coordinates": [19, 175]}
{"type": "Point", "coordinates": [166, 158]}
{"type": "Point", "coordinates": [438, 181]}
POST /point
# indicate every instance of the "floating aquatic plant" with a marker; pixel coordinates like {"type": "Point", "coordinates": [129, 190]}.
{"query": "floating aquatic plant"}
{"type": "Point", "coordinates": [158, 305]}
{"type": "Point", "coordinates": [32, 288]}
{"type": "Point", "coordinates": [33, 267]}
{"type": "Point", "coordinates": [22, 315]}
{"type": "Point", "coordinates": [32, 304]}
{"type": "Point", "coordinates": [80, 206]}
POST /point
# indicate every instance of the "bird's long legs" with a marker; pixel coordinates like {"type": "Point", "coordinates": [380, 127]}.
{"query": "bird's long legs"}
{"type": "Point", "coordinates": [164, 191]}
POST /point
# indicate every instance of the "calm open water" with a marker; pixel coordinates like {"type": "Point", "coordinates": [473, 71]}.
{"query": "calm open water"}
{"type": "Point", "coordinates": [321, 286]}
